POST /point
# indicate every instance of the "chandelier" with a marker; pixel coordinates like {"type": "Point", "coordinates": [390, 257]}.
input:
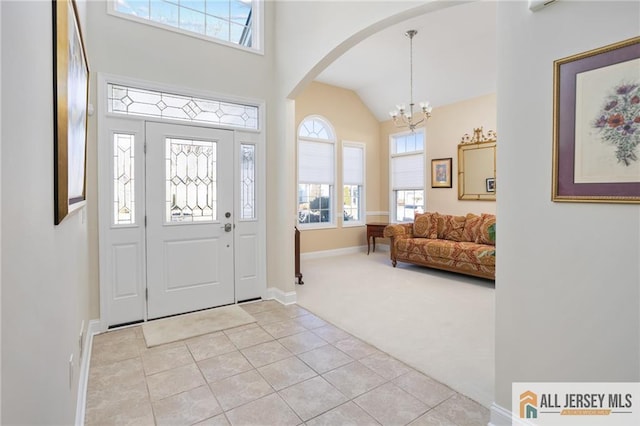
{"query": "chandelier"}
{"type": "Point", "coordinates": [401, 116]}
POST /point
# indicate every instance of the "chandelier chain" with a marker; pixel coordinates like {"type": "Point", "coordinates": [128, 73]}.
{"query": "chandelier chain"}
{"type": "Point", "coordinates": [403, 117]}
{"type": "Point", "coordinates": [410, 34]}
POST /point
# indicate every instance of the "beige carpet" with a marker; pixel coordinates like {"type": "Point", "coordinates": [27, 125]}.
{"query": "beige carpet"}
{"type": "Point", "coordinates": [167, 330]}
{"type": "Point", "coordinates": [440, 323]}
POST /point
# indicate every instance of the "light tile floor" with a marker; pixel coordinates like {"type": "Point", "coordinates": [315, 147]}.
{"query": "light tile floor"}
{"type": "Point", "coordinates": [288, 368]}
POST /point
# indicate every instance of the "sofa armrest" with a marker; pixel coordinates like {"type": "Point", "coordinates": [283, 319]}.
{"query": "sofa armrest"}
{"type": "Point", "coordinates": [399, 230]}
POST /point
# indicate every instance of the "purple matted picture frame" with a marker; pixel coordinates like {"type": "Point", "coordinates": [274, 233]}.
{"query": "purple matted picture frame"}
{"type": "Point", "coordinates": [596, 120]}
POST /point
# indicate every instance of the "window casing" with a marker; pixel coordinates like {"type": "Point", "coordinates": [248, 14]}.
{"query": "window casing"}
{"type": "Point", "coordinates": [353, 155]}
{"type": "Point", "coordinates": [407, 175]}
{"type": "Point", "coordinates": [235, 23]}
{"type": "Point", "coordinates": [316, 173]}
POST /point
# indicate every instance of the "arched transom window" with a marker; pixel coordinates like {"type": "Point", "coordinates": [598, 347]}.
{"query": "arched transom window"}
{"type": "Point", "coordinates": [316, 173]}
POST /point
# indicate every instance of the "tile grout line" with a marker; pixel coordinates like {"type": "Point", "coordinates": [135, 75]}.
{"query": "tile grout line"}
{"type": "Point", "coordinates": [327, 343]}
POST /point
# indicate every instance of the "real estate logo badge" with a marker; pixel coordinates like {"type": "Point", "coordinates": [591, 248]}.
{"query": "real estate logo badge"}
{"type": "Point", "coordinates": [528, 405]}
{"type": "Point", "coordinates": [579, 404]}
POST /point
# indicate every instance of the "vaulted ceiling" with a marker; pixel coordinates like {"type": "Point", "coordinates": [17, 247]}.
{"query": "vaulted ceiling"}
{"type": "Point", "coordinates": [454, 58]}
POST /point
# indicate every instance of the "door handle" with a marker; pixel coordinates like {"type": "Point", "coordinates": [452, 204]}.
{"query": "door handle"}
{"type": "Point", "coordinates": [227, 227]}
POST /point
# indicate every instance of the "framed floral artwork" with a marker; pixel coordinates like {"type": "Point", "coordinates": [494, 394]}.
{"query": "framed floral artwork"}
{"type": "Point", "coordinates": [596, 120]}
{"type": "Point", "coordinates": [71, 95]}
{"type": "Point", "coordinates": [441, 172]}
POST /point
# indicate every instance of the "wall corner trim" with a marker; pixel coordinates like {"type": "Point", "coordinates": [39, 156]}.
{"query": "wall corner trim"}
{"type": "Point", "coordinates": [288, 298]}
{"type": "Point", "coordinates": [92, 329]}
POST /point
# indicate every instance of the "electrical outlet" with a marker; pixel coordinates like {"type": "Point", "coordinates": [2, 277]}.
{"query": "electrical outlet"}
{"type": "Point", "coordinates": [71, 371]}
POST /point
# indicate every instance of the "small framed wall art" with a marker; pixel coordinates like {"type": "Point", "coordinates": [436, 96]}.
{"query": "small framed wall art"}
{"type": "Point", "coordinates": [491, 184]}
{"type": "Point", "coordinates": [596, 120]}
{"type": "Point", "coordinates": [441, 172]}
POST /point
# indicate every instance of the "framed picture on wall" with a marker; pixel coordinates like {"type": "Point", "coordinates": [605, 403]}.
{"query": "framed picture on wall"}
{"type": "Point", "coordinates": [596, 120]}
{"type": "Point", "coordinates": [441, 173]}
{"type": "Point", "coordinates": [491, 184]}
{"type": "Point", "coordinates": [71, 95]}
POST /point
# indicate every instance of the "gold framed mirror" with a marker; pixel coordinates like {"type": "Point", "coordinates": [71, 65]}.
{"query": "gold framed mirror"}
{"type": "Point", "coordinates": [477, 166]}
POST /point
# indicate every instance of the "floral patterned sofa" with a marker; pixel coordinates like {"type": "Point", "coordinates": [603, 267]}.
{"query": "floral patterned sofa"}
{"type": "Point", "coordinates": [463, 244]}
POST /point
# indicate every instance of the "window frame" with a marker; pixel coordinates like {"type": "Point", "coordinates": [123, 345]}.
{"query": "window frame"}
{"type": "Point", "coordinates": [393, 207]}
{"type": "Point", "coordinates": [332, 223]}
{"type": "Point", "coordinates": [257, 29]}
{"type": "Point", "coordinates": [362, 187]}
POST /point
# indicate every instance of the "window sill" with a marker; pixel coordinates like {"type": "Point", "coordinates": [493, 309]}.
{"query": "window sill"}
{"type": "Point", "coordinates": [312, 227]}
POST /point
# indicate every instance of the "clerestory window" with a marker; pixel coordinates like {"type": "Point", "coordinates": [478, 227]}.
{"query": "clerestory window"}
{"type": "Point", "coordinates": [233, 22]}
{"type": "Point", "coordinates": [407, 175]}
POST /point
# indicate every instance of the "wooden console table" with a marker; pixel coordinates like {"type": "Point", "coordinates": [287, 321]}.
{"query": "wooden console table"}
{"type": "Point", "coordinates": [374, 229]}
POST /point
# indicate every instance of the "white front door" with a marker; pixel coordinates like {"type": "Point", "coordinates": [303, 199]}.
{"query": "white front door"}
{"type": "Point", "coordinates": [189, 214]}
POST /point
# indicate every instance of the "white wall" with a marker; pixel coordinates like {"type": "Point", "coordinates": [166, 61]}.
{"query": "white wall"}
{"type": "Point", "coordinates": [44, 267]}
{"type": "Point", "coordinates": [567, 278]}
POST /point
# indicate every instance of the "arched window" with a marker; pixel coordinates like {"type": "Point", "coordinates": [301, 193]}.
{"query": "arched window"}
{"type": "Point", "coordinates": [316, 173]}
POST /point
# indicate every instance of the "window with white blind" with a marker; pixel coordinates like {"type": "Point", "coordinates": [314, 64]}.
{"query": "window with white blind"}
{"type": "Point", "coordinates": [353, 183]}
{"type": "Point", "coordinates": [316, 173]}
{"type": "Point", "coordinates": [407, 175]}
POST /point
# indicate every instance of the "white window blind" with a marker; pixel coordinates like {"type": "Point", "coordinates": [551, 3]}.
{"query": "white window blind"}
{"type": "Point", "coordinates": [315, 162]}
{"type": "Point", "coordinates": [353, 164]}
{"type": "Point", "coordinates": [408, 172]}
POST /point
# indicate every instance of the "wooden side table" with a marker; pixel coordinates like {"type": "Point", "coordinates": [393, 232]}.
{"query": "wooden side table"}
{"type": "Point", "coordinates": [374, 229]}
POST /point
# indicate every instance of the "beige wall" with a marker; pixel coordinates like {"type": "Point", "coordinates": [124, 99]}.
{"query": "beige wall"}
{"type": "Point", "coordinates": [444, 130]}
{"type": "Point", "coordinates": [352, 122]}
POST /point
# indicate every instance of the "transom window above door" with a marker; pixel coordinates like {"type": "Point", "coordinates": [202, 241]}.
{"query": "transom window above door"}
{"type": "Point", "coordinates": [160, 104]}
{"type": "Point", "coordinates": [232, 22]}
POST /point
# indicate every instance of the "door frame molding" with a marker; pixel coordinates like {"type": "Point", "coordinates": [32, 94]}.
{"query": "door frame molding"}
{"type": "Point", "coordinates": [241, 136]}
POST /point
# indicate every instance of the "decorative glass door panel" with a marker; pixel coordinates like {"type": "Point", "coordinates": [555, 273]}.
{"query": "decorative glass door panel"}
{"type": "Point", "coordinates": [191, 194]}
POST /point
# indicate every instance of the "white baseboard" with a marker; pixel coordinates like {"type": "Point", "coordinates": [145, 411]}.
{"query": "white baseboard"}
{"type": "Point", "coordinates": [288, 298]}
{"type": "Point", "coordinates": [500, 416]}
{"type": "Point", "coordinates": [340, 252]}
{"type": "Point", "coordinates": [92, 329]}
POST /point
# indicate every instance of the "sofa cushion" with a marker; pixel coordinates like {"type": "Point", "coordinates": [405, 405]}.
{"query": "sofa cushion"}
{"type": "Point", "coordinates": [452, 227]}
{"type": "Point", "coordinates": [425, 225]}
{"type": "Point", "coordinates": [472, 228]}
{"type": "Point", "coordinates": [484, 237]}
